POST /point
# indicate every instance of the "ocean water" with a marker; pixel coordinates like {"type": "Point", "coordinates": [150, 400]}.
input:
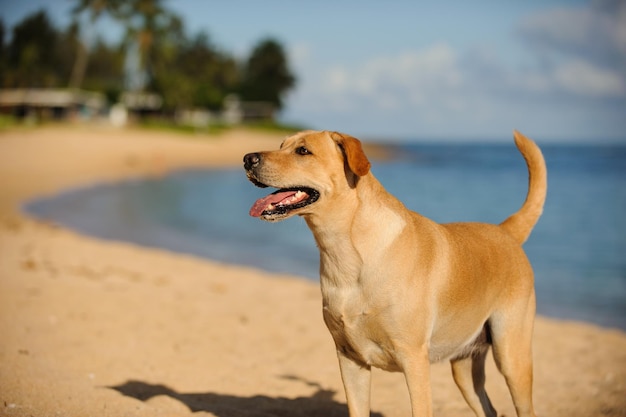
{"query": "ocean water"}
{"type": "Point", "coordinates": [578, 248]}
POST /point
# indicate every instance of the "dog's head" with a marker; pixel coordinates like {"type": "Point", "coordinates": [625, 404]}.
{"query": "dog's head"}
{"type": "Point", "coordinates": [309, 169]}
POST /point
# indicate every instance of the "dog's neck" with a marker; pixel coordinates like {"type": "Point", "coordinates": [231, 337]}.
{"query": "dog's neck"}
{"type": "Point", "coordinates": [341, 258]}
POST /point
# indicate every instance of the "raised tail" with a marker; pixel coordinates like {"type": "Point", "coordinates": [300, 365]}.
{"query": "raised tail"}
{"type": "Point", "coordinates": [520, 224]}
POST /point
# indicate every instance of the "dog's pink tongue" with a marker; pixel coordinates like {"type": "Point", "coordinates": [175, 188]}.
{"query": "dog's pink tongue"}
{"type": "Point", "coordinates": [261, 204]}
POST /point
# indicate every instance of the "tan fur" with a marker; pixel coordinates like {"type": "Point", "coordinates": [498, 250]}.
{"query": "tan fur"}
{"type": "Point", "coordinates": [401, 291]}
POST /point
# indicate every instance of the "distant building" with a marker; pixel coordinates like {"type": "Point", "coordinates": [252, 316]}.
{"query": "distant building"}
{"type": "Point", "coordinates": [141, 103]}
{"type": "Point", "coordinates": [135, 105]}
{"type": "Point", "coordinates": [50, 103]}
{"type": "Point", "coordinates": [63, 104]}
{"type": "Point", "coordinates": [198, 118]}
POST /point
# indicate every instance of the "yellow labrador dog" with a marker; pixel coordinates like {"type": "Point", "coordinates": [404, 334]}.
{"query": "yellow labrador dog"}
{"type": "Point", "coordinates": [399, 290]}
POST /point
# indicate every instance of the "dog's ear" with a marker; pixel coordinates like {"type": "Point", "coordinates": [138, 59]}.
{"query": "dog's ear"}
{"type": "Point", "coordinates": [353, 151]}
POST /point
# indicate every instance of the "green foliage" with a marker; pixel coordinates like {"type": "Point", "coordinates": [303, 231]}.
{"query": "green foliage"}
{"type": "Point", "coordinates": [186, 71]}
{"type": "Point", "coordinates": [273, 126]}
{"type": "Point", "coordinates": [169, 125]}
{"type": "Point", "coordinates": [40, 56]}
{"type": "Point", "coordinates": [266, 76]}
{"type": "Point", "coordinates": [264, 126]}
{"type": "Point", "coordinates": [31, 58]}
{"type": "Point", "coordinates": [3, 52]}
{"type": "Point", "coordinates": [7, 122]}
{"type": "Point", "coordinates": [105, 70]}
{"type": "Point", "coordinates": [194, 74]}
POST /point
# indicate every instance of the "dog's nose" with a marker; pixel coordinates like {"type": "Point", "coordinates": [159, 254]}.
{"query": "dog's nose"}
{"type": "Point", "coordinates": [251, 160]}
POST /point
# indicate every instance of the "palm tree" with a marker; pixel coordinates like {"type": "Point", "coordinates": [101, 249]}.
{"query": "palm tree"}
{"type": "Point", "coordinates": [150, 27]}
{"type": "Point", "coordinates": [95, 8]}
{"type": "Point", "coordinates": [147, 23]}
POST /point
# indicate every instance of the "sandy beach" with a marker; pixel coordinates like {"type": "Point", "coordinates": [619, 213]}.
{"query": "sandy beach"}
{"type": "Point", "coordinates": [95, 328]}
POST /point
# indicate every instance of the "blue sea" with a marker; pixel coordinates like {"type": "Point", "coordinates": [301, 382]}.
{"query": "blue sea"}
{"type": "Point", "coordinates": [578, 248]}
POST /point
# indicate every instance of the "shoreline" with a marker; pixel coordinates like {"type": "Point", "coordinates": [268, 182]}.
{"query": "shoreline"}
{"type": "Point", "coordinates": [157, 234]}
{"type": "Point", "coordinates": [170, 334]}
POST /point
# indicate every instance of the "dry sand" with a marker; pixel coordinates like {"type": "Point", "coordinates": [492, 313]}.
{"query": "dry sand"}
{"type": "Point", "coordinates": [93, 328]}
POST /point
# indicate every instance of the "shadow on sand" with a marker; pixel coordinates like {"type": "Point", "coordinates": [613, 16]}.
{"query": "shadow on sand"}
{"type": "Point", "coordinates": [319, 404]}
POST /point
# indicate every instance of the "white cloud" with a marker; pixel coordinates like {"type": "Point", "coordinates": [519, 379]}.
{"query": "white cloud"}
{"type": "Point", "coordinates": [582, 49]}
{"type": "Point", "coordinates": [412, 78]}
{"type": "Point", "coordinates": [570, 80]}
{"type": "Point", "coordinates": [586, 79]}
{"type": "Point", "coordinates": [574, 79]}
{"type": "Point", "coordinates": [436, 64]}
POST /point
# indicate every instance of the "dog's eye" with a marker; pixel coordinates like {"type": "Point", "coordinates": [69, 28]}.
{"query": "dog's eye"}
{"type": "Point", "coordinates": [303, 151]}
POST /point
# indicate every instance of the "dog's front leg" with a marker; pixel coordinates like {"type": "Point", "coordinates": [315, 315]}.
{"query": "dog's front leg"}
{"type": "Point", "coordinates": [416, 368]}
{"type": "Point", "coordinates": [357, 383]}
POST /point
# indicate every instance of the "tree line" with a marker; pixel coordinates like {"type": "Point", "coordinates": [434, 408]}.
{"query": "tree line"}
{"type": "Point", "coordinates": [155, 54]}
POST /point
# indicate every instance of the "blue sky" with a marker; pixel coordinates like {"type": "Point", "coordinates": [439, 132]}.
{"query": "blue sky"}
{"type": "Point", "coordinates": [556, 70]}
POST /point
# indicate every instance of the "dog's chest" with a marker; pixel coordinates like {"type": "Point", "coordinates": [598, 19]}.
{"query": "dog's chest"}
{"type": "Point", "coordinates": [358, 331]}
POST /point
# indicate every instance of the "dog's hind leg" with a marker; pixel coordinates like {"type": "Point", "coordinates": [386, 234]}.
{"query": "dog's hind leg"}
{"type": "Point", "coordinates": [469, 375]}
{"type": "Point", "coordinates": [511, 334]}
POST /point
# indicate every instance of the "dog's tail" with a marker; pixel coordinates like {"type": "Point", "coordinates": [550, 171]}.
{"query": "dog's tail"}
{"type": "Point", "coordinates": [520, 224]}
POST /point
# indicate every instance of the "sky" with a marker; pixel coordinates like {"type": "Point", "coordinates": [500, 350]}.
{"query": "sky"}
{"type": "Point", "coordinates": [427, 70]}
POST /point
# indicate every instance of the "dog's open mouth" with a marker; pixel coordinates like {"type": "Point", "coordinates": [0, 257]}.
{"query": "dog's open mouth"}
{"type": "Point", "coordinates": [281, 202]}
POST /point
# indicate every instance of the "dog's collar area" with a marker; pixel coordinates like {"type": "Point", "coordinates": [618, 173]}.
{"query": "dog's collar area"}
{"type": "Point", "coordinates": [281, 202]}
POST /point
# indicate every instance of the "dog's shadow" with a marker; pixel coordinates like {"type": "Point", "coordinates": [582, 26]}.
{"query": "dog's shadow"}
{"type": "Point", "coordinates": [319, 404]}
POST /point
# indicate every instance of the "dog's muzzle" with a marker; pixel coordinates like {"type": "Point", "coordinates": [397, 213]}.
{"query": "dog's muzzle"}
{"type": "Point", "coordinates": [281, 203]}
